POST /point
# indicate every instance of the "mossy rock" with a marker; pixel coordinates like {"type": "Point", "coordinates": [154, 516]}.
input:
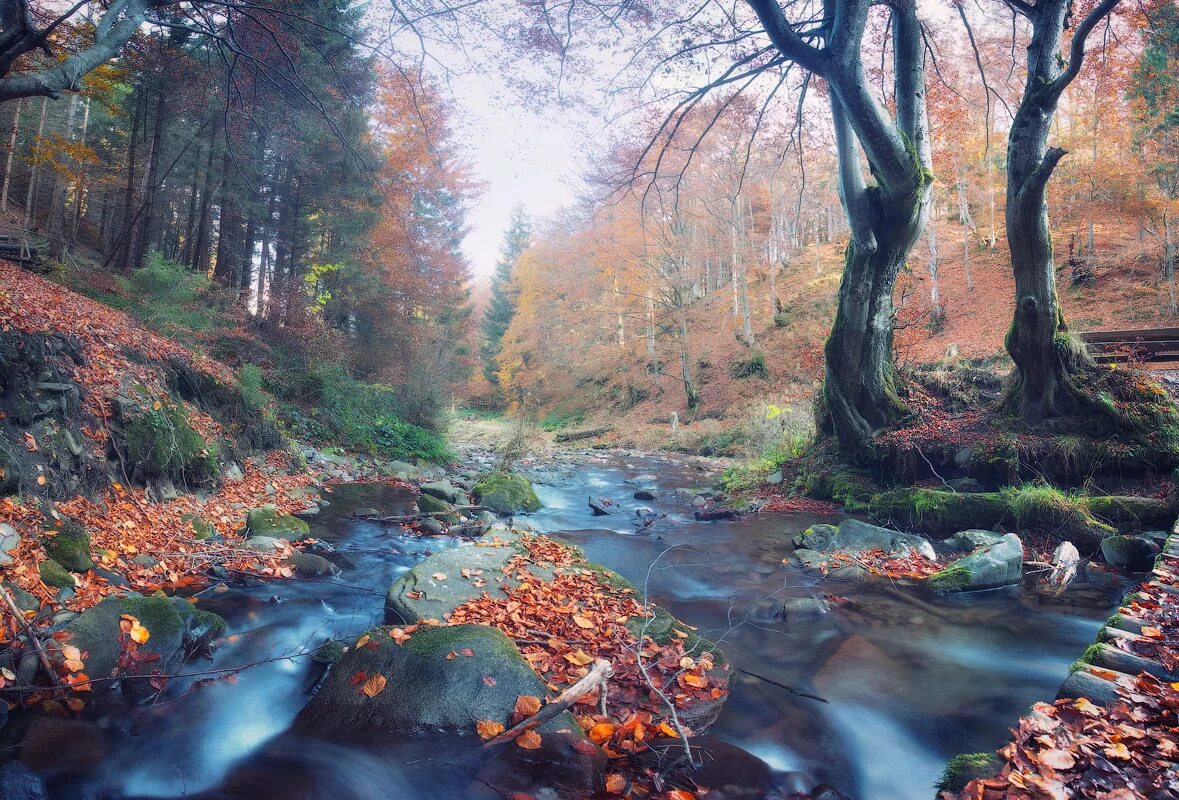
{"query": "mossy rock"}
{"type": "Point", "coordinates": [68, 544]}
{"type": "Point", "coordinates": [201, 530]}
{"type": "Point", "coordinates": [426, 692]}
{"type": "Point", "coordinates": [162, 443]}
{"type": "Point", "coordinates": [987, 567]}
{"type": "Point", "coordinates": [55, 575]}
{"type": "Point", "coordinates": [506, 493]}
{"type": "Point", "coordinates": [966, 767]}
{"type": "Point", "coordinates": [430, 504]}
{"type": "Point", "coordinates": [266, 521]}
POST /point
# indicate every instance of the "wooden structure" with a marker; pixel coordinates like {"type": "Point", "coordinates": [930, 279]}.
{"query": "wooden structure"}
{"type": "Point", "coordinates": [15, 245]}
{"type": "Point", "coordinates": [1151, 345]}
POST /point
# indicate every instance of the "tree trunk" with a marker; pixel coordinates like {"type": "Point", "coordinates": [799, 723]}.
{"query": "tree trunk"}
{"type": "Point", "coordinates": [1169, 248]}
{"type": "Point", "coordinates": [30, 195]}
{"type": "Point", "coordinates": [80, 189]}
{"type": "Point", "coordinates": [13, 131]}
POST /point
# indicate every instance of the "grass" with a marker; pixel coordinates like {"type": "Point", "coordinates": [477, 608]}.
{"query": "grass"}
{"type": "Point", "coordinates": [557, 419]}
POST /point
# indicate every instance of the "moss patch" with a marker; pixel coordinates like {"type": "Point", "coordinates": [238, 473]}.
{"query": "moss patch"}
{"type": "Point", "coordinates": [69, 545]}
{"type": "Point", "coordinates": [266, 521]}
{"type": "Point", "coordinates": [966, 767]}
{"type": "Point", "coordinates": [429, 504]}
{"type": "Point", "coordinates": [162, 443]}
{"type": "Point", "coordinates": [506, 493]}
{"type": "Point", "coordinates": [952, 579]}
{"type": "Point", "coordinates": [1091, 652]}
{"type": "Point", "coordinates": [55, 575]}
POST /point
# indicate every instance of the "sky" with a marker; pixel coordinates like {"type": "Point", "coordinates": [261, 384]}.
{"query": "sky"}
{"type": "Point", "coordinates": [521, 156]}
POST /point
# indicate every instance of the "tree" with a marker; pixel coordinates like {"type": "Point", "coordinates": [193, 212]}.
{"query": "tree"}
{"type": "Point", "coordinates": [502, 305]}
{"type": "Point", "coordinates": [1050, 367]}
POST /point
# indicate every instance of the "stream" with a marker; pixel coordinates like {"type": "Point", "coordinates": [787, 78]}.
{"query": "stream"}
{"type": "Point", "coordinates": [908, 684]}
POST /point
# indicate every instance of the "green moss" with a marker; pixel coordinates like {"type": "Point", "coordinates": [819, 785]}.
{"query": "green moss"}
{"type": "Point", "coordinates": [950, 580]}
{"type": "Point", "coordinates": [752, 367]}
{"type": "Point", "coordinates": [430, 504]}
{"type": "Point", "coordinates": [162, 443]}
{"type": "Point", "coordinates": [966, 767]}
{"type": "Point", "coordinates": [250, 380]}
{"type": "Point", "coordinates": [157, 614]}
{"type": "Point", "coordinates": [266, 521]}
{"type": "Point", "coordinates": [506, 493]}
{"type": "Point", "coordinates": [54, 574]}
{"type": "Point", "coordinates": [69, 545]}
{"type": "Point", "coordinates": [1090, 654]}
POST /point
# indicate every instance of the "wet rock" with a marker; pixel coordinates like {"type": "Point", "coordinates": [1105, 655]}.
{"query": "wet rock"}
{"type": "Point", "coordinates": [18, 782]}
{"type": "Point", "coordinates": [988, 567]}
{"type": "Point", "coordinates": [794, 607]}
{"type": "Point", "coordinates": [55, 575]}
{"type": "Point", "coordinates": [53, 746]}
{"type": "Point", "coordinates": [826, 791]}
{"type": "Point", "coordinates": [972, 539]}
{"type": "Point", "coordinates": [364, 512]}
{"type": "Point", "coordinates": [444, 490]}
{"type": "Point", "coordinates": [565, 765]}
{"type": "Point", "coordinates": [309, 513]}
{"type": "Point", "coordinates": [430, 504]}
{"type": "Point", "coordinates": [965, 485]}
{"type": "Point", "coordinates": [646, 494]}
{"type": "Point", "coordinates": [311, 565]}
{"type": "Point", "coordinates": [267, 522]}
{"type": "Point", "coordinates": [426, 692]}
{"type": "Point", "coordinates": [699, 501]}
{"type": "Point", "coordinates": [431, 526]}
{"type": "Point", "coordinates": [1134, 552]}
{"type": "Point", "coordinates": [855, 537]}
{"type": "Point", "coordinates": [601, 506]}
{"type": "Point", "coordinates": [174, 626]}
{"type": "Point", "coordinates": [68, 543]}
{"type": "Point", "coordinates": [9, 541]}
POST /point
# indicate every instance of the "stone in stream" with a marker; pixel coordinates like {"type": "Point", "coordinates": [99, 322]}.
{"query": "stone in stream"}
{"type": "Point", "coordinates": [506, 493]}
{"type": "Point", "coordinates": [647, 494]}
{"type": "Point", "coordinates": [444, 490]}
{"type": "Point", "coordinates": [431, 525]}
{"type": "Point", "coordinates": [1135, 552]}
{"type": "Point", "coordinates": [855, 538]}
{"type": "Point", "coordinates": [429, 504]}
{"type": "Point", "coordinates": [988, 567]}
{"type": "Point", "coordinates": [601, 506]}
{"type": "Point", "coordinates": [311, 565]}
{"type": "Point", "coordinates": [972, 540]}
{"type": "Point", "coordinates": [427, 691]}
{"type": "Point", "coordinates": [266, 521]}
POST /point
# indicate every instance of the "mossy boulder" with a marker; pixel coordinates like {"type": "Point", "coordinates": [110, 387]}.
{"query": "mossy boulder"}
{"type": "Point", "coordinates": [1129, 551]}
{"type": "Point", "coordinates": [68, 543]}
{"type": "Point", "coordinates": [988, 567]}
{"type": "Point", "coordinates": [162, 443]}
{"type": "Point", "coordinates": [444, 490]}
{"type": "Point", "coordinates": [506, 493]}
{"type": "Point", "coordinates": [175, 630]}
{"type": "Point", "coordinates": [266, 521]}
{"type": "Point", "coordinates": [55, 575]}
{"type": "Point", "coordinates": [966, 767]}
{"type": "Point", "coordinates": [426, 692]}
{"type": "Point", "coordinates": [430, 504]}
{"type": "Point", "coordinates": [856, 537]}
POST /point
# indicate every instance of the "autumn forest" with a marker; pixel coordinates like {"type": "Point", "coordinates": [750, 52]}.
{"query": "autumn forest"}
{"type": "Point", "coordinates": [589, 399]}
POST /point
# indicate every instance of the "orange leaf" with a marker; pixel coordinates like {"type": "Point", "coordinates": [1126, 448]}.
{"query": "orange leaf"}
{"type": "Point", "coordinates": [601, 732]}
{"type": "Point", "coordinates": [362, 641]}
{"type": "Point", "coordinates": [615, 783]}
{"type": "Point", "coordinates": [583, 622]}
{"type": "Point", "coordinates": [579, 657]}
{"type": "Point", "coordinates": [489, 728]}
{"type": "Point", "coordinates": [527, 705]}
{"type": "Point", "coordinates": [374, 686]}
{"type": "Point", "coordinates": [529, 740]}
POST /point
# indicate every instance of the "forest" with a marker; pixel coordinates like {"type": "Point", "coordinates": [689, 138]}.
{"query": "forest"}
{"type": "Point", "coordinates": [811, 433]}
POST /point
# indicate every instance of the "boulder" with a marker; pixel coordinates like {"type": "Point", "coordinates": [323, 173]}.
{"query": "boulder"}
{"type": "Point", "coordinates": [432, 685]}
{"type": "Point", "coordinates": [401, 468]}
{"type": "Point", "coordinates": [175, 629]}
{"type": "Point", "coordinates": [988, 567]}
{"type": "Point", "coordinates": [311, 565]}
{"type": "Point", "coordinates": [601, 506]}
{"type": "Point", "coordinates": [855, 537]}
{"type": "Point", "coordinates": [1136, 552]}
{"type": "Point", "coordinates": [18, 782]}
{"type": "Point", "coordinates": [365, 513]}
{"type": "Point", "coordinates": [264, 544]}
{"type": "Point", "coordinates": [972, 540]}
{"type": "Point", "coordinates": [506, 493]}
{"type": "Point", "coordinates": [444, 490]}
{"type": "Point", "coordinates": [266, 521]}
{"type": "Point", "coordinates": [645, 494]}
{"type": "Point", "coordinates": [9, 541]}
{"type": "Point", "coordinates": [431, 526]}
{"type": "Point", "coordinates": [68, 543]}
{"type": "Point", "coordinates": [965, 485]}
{"type": "Point", "coordinates": [55, 575]}
{"type": "Point", "coordinates": [431, 504]}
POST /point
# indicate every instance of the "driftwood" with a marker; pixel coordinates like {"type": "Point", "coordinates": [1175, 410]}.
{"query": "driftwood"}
{"type": "Point", "coordinates": [598, 675]}
{"type": "Point", "coordinates": [714, 514]}
{"type": "Point", "coordinates": [399, 518]}
{"type": "Point", "coordinates": [588, 433]}
{"type": "Point", "coordinates": [1065, 561]}
{"type": "Point", "coordinates": [28, 630]}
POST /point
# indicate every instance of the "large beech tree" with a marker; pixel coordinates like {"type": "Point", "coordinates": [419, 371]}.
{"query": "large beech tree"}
{"type": "Point", "coordinates": [1049, 367]}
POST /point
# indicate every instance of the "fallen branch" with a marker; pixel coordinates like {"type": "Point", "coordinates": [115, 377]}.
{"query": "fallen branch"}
{"type": "Point", "coordinates": [398, 518]}
{"type": "Point", "coordinates": [28, 630]}
{"type": "Point", "coordinates": [600, 673]}
{"type": "Point", "coordinates": [589, 433]}
{"type": "Point", "coordinates": [793, 690]}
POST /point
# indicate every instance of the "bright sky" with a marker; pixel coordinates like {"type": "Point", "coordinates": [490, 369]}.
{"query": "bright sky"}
{"type": "Point", "coordinates": [521, 156]}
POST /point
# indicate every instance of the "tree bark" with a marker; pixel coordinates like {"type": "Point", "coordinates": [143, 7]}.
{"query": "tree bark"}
{"type": "Point", "coordinates": [12, 133]}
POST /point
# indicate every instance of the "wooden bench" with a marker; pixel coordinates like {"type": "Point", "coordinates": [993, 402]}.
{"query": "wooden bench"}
{"type": "Point", "coordinates": [1151, 345]}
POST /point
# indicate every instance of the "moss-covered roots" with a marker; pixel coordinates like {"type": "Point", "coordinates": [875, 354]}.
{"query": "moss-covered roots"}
{"type": "Point", "coordinates": [966, 767]}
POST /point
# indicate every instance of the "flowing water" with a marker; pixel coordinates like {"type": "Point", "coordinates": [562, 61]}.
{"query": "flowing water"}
{"type": "Point", "coordinates": [908, 682]}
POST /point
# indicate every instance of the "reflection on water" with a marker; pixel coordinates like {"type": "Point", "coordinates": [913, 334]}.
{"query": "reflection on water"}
{"type": "Point", "coordinates": [909, 684]}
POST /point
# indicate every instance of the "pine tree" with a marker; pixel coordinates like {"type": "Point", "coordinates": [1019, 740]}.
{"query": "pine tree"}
{"type": "Point", "coordinates": [502, 306]}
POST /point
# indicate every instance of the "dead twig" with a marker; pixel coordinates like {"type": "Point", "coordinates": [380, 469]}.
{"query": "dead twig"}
{"type": "Point", "coordinates": [598, 675]}
{"type": "Point", "coordinates": [32, 636]}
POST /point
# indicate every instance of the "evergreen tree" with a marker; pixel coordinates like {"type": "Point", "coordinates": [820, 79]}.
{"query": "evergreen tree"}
{"type": "Point", "coordinates": [502, 306]}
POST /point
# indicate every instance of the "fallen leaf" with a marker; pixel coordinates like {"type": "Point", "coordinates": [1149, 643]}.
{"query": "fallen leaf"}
{"type": "Point", "coordinates": [439, 576]}
{"type": "Point", "coordinates": [529, 740]}
{"type": "Point", "coordinates": [579, 657]}
{"type": "Point", "coordinates": [527, 705]}
{"type": "Point", "coordinates": [1057, 759]}
{"type": "Point", "coordinates": [583, 622]}
{"type": "Point", "coordinates": [615, 783]}
{"type": "Point", "coordinates": [488, 680]}
{"type": "Point", "coordinates": [374, 686]}
{"type": "Point", "coordinates": [601, 732]}
{"type": "Point", "coordinates": [362, 641]}
{"type": "Point", "coordinates": [489, 728]}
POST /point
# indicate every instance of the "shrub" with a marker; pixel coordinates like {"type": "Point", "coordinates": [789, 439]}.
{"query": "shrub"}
{"type": "Point", "coordinates": [752, 367]}
{"type": "Point", "coordinates": [557, 419]}
{"type": "Point", "coordinates": [250, 378]}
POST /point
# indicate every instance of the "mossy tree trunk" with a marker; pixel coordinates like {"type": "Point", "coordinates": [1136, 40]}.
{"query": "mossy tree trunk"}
{"type": "Point", "coordinates": [1049, 366]}
{"type": "Point", "coordinates": [860, 390]}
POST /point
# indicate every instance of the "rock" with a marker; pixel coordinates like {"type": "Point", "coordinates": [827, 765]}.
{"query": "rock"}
{"type": "Point", "coordinates": [9, 541]}
{"type": "Point", "coordinates": [431, 525]}
{"type": "Point", "coordinates": [402, 468]}
{"type": "Point", "coordinates": [431, 504]}
{"type": "Point", "coordinates": [963, 457]}
{"type": "Point", "coordinates": [699, 501]}
{"type": "Point", "coordinates": [233, 473]}
{"type": "Point", "coordinates": [856, 537]}
{"type": "Point", "coordinates": [426, 692]}
{"type": "Point", "coordinates": [68, 543]}
{"type": "Point", "coordinates": [311, 565]}
{"type": "Point", "coordinates": [419, 594]}
{"type": "Point", "coordinates": [804, 607]}
{"type": "Point", "coordinates": [766, 611]}
{"type": "Point", "coordinates": [364, 512]}
{"type": "Point", "coordinates": [174, 626]}
{"type": "Point", "coordinates": [646, 494]}
{"type": "Point", "coordinates": [988, 567]}
{"type": "Point", "coordinates": [506, 493]}
{"type": "Point", "coordinates": [267, 522]}
{"type": "Point", "coordinates": [444, 490]}
{"type": "Point", "coordinates": [965, 485]}
{"type": "Point", "coordinates": [775, 477]}
{"type": "Point", "coordinates": [55, 575]}
{"type": "Point", "coordinates": [24, 600]}
{"type": "Point", "coordinates": [1134, 552]}
{"type": "Point", "coordinates": [565, 765]}
{"type": "Point", "coordinates": [309, 513]}
{"type": "Point", "coordinates": [144, 560]}
{"type": "Point", "coordinates": [264, 544]}
{"type": "Point", "coordinates": [53, 746]}
{"type": "Point", "coordinates": [18, 782]}
{"type": "Point", "coordinates": [600, 506]}
{"type": "Point", "coordinates": [972, 540]}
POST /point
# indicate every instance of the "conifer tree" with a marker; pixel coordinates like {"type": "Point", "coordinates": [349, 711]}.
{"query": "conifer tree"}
{"type": "Point", "coordinates": [502, 306]}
